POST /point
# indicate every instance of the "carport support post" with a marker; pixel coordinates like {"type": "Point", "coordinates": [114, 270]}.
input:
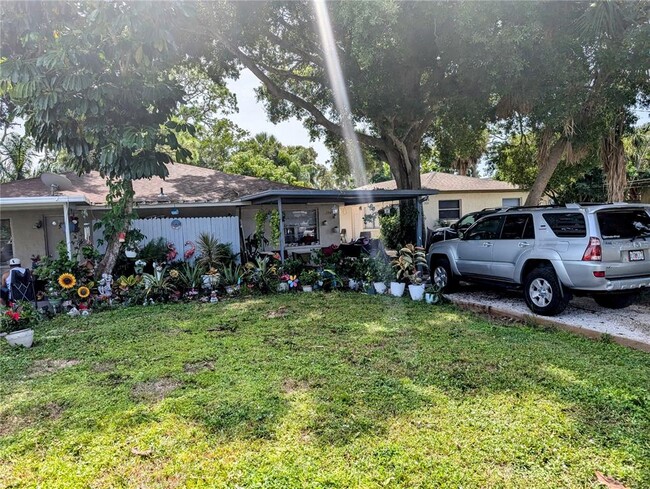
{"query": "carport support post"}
{"type": "Point", "coordinates": [281, 231]}
{"type": "Point", "coordinates": [66, 223]}
{"type": "Point", "coordinates": [420, 224]}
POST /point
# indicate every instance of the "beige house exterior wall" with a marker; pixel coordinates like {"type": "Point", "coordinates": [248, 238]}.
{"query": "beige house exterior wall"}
{"type": "Point", "coordinates": [27, 239]}
{"type": "Point", "coordinates": [352, 216]}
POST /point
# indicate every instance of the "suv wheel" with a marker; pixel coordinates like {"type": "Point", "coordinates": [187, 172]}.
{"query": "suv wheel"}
{"type": "Point", "coordinates": [442, 276]}
{"type": "Point", "coordinates": [615, 301]}
{"type": "Point", "coordinates": [543, 292]}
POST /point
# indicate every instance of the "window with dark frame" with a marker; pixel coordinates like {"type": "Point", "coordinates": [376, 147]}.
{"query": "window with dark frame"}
{"type": "Point", "coordinates": [449, 209]}
{"type": "Point", "coordinates": [518, 227]}
{"type": "Point", "coordinates": [301, 227]}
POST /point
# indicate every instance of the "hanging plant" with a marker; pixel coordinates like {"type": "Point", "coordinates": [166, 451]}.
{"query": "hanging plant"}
{"type": "Point", "coordinates": [274, 223]}
{"type": "Point", "coordinates": [260, 222]}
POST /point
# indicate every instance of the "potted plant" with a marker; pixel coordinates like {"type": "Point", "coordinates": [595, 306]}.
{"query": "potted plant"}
{"type": "Point", "coordinates": [308, 279]}
{"type": "Point", "coordinates": [378, 272]}
{"type": "Point", "coordinates": [408, 264]}
{"type": "Point", "coordinates": [232, 277]}
{"type": "Point", "coordinates": [16, 322]}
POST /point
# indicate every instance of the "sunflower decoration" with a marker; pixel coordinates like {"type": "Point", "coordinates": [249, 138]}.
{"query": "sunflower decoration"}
{"type": "Point", "coordinates": [174, 273]}
{"type": "Point", "coordinates": [67, 280]}
{"type": "Point", "coordinates": [83, 291]}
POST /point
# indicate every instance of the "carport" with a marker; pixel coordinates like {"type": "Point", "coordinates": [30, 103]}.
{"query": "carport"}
{"type": "Point", "coordinates": [339, 198]}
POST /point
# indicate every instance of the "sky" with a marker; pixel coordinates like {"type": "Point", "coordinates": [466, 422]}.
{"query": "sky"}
{"type": "Point", "coordinates": [253, 118]}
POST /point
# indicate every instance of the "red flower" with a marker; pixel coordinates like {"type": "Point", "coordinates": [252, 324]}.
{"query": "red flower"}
{"type": "Point", "coordinates": [15, 316]}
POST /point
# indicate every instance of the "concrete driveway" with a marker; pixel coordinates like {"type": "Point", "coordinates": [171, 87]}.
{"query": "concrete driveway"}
{"type": "Point", "coordinates": [630, 326]}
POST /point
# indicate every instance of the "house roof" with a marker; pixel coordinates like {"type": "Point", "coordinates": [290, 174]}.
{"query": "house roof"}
{"type": "Point", "coordinates": [448, 182]}
{"type": "Point", "coordinates": [184, 184]}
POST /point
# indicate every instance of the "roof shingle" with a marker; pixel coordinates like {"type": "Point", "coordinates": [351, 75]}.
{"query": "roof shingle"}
{"type": "Point", "coordinates": [448, 182]}
{"type": "Point", "coordinates": [185, 184]}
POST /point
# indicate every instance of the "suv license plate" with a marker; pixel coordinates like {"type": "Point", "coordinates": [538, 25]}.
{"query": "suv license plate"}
{"type": "Point", "coordinates": [636, 255]}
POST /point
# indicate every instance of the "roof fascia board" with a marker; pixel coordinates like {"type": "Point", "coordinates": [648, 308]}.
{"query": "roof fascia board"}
{"type": "Point", "coordinates": [36, 202]}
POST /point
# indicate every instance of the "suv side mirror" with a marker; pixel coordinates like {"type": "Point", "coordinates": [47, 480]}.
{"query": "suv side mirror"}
{"type": "Point", "coordinates": [454, 226]}
{"type": "Point", "coordinates": [461, 234]}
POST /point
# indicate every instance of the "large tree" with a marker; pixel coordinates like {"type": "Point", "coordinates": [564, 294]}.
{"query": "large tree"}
{"type": "Point", "coordinates": [401, 62]}
{"type": "Point", "coordinates": [93, 79]}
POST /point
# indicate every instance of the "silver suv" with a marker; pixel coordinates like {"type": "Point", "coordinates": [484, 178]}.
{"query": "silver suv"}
{"type": "Point", "coordinates": [553, 252]}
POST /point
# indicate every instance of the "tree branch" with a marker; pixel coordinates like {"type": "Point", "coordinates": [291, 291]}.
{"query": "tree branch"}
{"type": "Point", "coordinates": [281, 93]}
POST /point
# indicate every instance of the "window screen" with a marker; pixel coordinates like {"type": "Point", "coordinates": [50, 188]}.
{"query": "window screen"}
{"type": "Point", "coordinates": [511, 202]}
{"type": "Point", "coordinates": [449, 209]}
{"type": "Point", "coordinates": [567, 224]}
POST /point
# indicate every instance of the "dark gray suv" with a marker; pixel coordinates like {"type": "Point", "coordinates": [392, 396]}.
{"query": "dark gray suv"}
{"type": "Point", "coordinates": [553, 252]}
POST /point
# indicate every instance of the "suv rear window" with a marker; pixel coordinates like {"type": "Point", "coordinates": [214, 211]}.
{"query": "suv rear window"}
{"type": "Point", "coordinates": [623, 223]}
{"type": "Point", "coordinates": [567, 224]}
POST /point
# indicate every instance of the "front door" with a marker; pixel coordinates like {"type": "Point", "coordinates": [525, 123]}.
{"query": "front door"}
{"type": "Point", "coordinates": [476, 247]}
{"type": "Point", "coordinates": [517, 237]}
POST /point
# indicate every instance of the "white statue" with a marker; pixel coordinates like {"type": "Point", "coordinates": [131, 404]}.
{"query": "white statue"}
{"type": "Point", "coordinates": [105, 284]}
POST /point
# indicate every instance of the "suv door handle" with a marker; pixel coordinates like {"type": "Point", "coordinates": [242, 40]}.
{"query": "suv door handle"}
{"type": "Point", "coordinates": [487, 244]}
{"type": "Point", "coordinates": [523, 244]}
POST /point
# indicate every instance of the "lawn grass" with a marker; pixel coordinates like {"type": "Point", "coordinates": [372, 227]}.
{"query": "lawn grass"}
{"type": "Point", "coordinates": [313, 390]}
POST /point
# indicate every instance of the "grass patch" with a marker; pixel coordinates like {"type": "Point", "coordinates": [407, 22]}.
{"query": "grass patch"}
{"type": "Point", "coordinates": [313, 390]}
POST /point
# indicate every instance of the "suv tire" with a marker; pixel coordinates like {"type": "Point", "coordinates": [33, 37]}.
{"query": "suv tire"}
{"type": "Point", "coordinates": [442, 276]}
{"type": "Point", "coordinates": [615, 301]}
{"type": "Point", "coordinates": [543, 292]}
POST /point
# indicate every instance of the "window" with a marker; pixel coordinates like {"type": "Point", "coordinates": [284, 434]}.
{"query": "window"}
{"type": "Point", "coordinates": [487, 228]}
{"type": "Point", "coordinates": [623, 224]}
{"type": "Point", "coordinates": [6, 242]}
{"type": "Point", "coordinates": [449, 209]}
{"type": "Point", "coordinates": [511, 202]}
{"type": "Point", "coordinates": [518, 227]}
{"type": "Point", "coordinates": [370, 218]}
{"type": "Point", "coordinates": [567, 224]}
{"type": "Point", "coordinates": [300, 227]}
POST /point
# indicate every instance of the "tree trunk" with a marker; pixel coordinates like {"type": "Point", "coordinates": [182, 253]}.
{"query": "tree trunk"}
{"type": "Point", "coordinates": [404, 164]}
{"type": "Point", "coordinates": [547, 167]}
{"type": "Point", "coordinates": [612, 155]}
{"type": "Point", "coordinates": [113, 247]}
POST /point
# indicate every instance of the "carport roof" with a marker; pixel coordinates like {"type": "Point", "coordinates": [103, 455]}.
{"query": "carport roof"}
{"type": "Point", "coordinates": [347, 197]}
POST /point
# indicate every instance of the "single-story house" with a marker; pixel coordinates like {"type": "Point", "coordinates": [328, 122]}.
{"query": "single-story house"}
{"type": "Point", "coordinates": [35, 215]}
{"type": "Point", "coordinates": [456, 195]}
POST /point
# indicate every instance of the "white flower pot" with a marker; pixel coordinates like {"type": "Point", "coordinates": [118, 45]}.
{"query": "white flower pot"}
{"type": "Point", "coordinates": [24, 337]}
{"type": "Point", "coordinates": [307, 288]}
{"type": "Point", "coordinates": [431, 298]}
{"type": "Point", "coordinates": [130, 253]}
{"type": "Point", "coordinates": [417, 292]}
{"type": "Point", "coordinates": [397, 289]}
{"type": "Point", "coordinates": [283, 287]}
{"type": "Point", "coordinates": [380, 287]}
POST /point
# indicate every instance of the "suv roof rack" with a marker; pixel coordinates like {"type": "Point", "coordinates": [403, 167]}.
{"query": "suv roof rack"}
{"type": "Point", "coordinates": [549, 206]}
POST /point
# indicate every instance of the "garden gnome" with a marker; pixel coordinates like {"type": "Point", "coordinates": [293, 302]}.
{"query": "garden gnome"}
{"type": "Point", "coordinates": [213, 297]}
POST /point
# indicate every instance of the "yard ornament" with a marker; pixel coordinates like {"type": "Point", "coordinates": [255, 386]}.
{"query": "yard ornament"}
{"type": "Point", "coordinates": [105, 284]}
{"type": "Point", "coordinates": [189, 253]}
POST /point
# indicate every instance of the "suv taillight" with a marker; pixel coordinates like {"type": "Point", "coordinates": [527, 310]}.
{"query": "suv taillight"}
{"type": "Point", "coordinates": [594, 251]}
